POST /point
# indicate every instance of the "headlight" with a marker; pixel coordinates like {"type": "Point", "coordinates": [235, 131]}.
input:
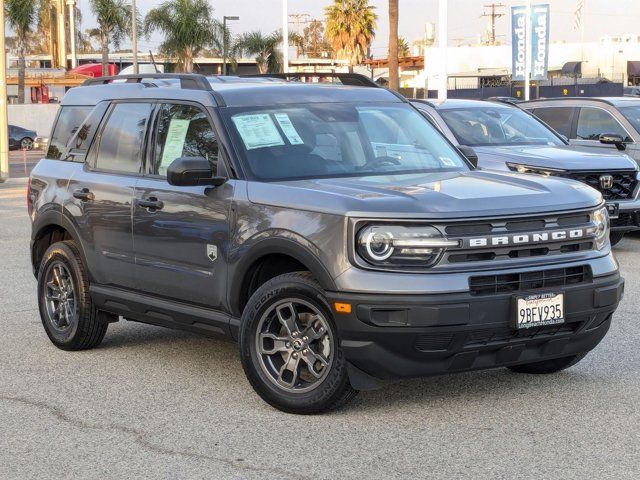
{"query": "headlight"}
{"type": "Point", "coordinates": [521, 168]}
{"type": "Point", "coordinates": [600, 218]}
{"type": "Point", "coordinates": [401, 246]}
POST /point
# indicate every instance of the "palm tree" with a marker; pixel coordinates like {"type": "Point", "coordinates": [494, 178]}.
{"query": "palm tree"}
{"type": "Point", "coordinates": [114, 22]}
{"type": "Point", "coordinates": [403, 47]}
{"type": "Point", "coordinates": [264, 48]}
{"type": "Point", "coordinates": [188, 28]}
{"type": "Point", "coordinates": [21, 15]}
{"type": "Point", "coordinates": [351, 27]}
{"type": "Point", "coordinates": [394, 67]}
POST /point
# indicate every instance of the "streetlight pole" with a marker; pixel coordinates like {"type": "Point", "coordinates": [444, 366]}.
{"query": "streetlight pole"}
{"type": "Point", "coordinates": [134, 36]}
{"type": "Point", "coordinates": [225, 41]}
{"type": "Point", "coordinates": [72, 32]}
{"type": "Point", "coordinates": [4, 124]}
{"type": "Point", "coordinates": [442, 47]}
{"type": "Point", "coordinates": [285, 37]}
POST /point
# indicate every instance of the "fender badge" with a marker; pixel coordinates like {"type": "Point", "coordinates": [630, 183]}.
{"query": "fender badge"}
{"type": "Point", "coordinates": [212, 252]}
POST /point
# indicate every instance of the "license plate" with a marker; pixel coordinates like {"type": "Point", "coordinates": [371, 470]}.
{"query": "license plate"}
{"type": "Point", "coordinates": [614, 210]}
{"type": "Point", "coordinates": [539, 310]}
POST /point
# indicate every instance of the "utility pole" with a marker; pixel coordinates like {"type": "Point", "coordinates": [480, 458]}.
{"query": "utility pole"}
{"type": "Point", "coordinates": [285, 37]}
{"type": "Point", "coordinates": [72, 32]}
{"type": "Point", "coordinates": [494, 16]}
{"type": "Point", "coordinates": [134, 36]}
{"type": "Point", "coordinates": [225, 39]}
{"type": "Point", "coordinates": [4, 124]}
{"type": "Point", "coordinates": [299, 19]}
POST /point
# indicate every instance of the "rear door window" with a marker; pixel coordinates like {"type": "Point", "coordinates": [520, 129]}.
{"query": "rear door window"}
{"type": "Point", "coordinates": [69, 120]}
{"type": "Point", "coordinates": [558, 118]}
{"type": "Point", "coordinates": [122, 140]}
{"type": "Point", "coordinates": [593, 122]}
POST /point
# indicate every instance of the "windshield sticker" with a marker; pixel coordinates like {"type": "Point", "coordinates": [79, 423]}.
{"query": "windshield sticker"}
{"type": "Point", "coordinates": [447, 162]}
{"type": "Point", "coordinates": [289, 130]}
{"type": "Point", "coordinates": [174, 143]}
{"type": "Point", "coordinates": [257, 131]}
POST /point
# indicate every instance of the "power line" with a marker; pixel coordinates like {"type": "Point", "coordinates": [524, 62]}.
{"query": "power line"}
{"type": "Point", "coordinates": [494, 14]}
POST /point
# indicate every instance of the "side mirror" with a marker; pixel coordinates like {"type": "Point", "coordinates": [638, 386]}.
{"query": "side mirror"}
{"type": "Point", "coordinates": [191, 172]}
{"type": "Point", "coordinates": [470, 154]}
{"type": "Point", "coordinates": [613, 139]}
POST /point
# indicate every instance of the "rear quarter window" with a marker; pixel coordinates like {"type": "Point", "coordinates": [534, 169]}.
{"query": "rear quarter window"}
{"type": "Point", "coordinates": [558, 118]}
{"type": "Point", "coordinates": [69, 120]}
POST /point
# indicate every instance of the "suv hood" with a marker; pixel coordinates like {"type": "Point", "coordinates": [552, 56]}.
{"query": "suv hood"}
{"type": "Point", "coordinates": [562, 157]}
{"type": "Point", "coordinates": [440, 195]}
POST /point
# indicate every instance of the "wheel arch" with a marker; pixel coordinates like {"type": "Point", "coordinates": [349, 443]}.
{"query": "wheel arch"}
{"type": "Point", "coordinates": [282, 256]}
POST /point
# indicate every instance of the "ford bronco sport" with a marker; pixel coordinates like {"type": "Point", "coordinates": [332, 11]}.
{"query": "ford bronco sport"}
{"type": "Point", "coordinates": [331, 230]}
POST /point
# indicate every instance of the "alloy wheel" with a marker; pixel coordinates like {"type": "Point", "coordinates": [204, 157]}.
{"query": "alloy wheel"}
{"type": "Point", "coordinates": [60, 297]}
{"type": "Point", "coordinates": [294, 345]}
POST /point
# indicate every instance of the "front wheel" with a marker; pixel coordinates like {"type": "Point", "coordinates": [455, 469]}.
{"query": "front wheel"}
{"type": "Point", "coordinates": [548, 366]}
{"type": "Point", "coordinates": [290, 348]}
{"type": "Point", "coordinates": [615, 237]}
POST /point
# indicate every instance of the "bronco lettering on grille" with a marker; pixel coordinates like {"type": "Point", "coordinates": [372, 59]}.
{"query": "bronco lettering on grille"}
{"type": "Point", "coordinates": [525, 238]}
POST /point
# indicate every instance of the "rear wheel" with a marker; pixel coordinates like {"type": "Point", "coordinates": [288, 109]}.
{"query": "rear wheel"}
{"type": "Point", "coordinates": [67, 312]}
{"type": "Point", "coordinates": [548, 366]}
{"type": "Point", "coordinates": [615, 237]}
{"type": "Point", "coordinates": [290, 347]}
{"type": "Point", "coordinates": [26, 143]}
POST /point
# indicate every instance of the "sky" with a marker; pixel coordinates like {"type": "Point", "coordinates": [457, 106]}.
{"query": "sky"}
{"type": "Point", "coordinates": [465, 22]}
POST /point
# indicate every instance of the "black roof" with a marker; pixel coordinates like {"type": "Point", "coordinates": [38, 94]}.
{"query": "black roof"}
{"type": "Point", "coordinates": [221, 91]}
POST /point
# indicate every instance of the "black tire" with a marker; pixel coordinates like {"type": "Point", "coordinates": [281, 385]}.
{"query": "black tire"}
{"type": "Point", "coordinates": [330, 391]}
{"type": "Point", "coordinates": [615, 237]}
{"type": "Point", "coordinates": [87, 327]}
{"type": "Point", "coordinates": [26, 143]}
{"type": "Point", "coordinates": [548, 366]}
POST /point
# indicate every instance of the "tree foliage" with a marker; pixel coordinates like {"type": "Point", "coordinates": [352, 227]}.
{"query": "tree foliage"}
{"type": "Point", "coordinates": [351, 28]}
{"type": "Point", "coordinates": [21, 16]}
{"type": "Point", "coordinates": [265, 49]}
{"type": "Point", "coordinates": [114, 23]}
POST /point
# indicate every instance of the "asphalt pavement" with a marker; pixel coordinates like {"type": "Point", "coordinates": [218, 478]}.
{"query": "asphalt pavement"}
{"type": "Point", "coordinates": [155, 403]}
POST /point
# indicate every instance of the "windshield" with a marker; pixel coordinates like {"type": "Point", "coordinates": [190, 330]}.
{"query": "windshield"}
{"type": "Point", "coordinates": [339, 139]}
{"type": "Point", "coordinates": [633, 115]}
{"type": "Point", "coordinates": [497, 126]}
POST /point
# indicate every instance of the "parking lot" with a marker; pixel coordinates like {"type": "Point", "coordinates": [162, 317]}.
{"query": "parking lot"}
{"type": "Point", "coordinates": [156, 403]}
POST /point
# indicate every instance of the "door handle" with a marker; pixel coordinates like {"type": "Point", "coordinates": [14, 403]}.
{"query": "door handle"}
{"type": "Point", "coordinates": [151, 203]}
{"type": "Point", "coordinates": [83, 194]}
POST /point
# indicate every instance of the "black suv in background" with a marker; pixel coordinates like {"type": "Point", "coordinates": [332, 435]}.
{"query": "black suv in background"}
{"type": "Point", "coordinates": [331, 230]}
{"type": "Point", "coordinates": [504, 137]}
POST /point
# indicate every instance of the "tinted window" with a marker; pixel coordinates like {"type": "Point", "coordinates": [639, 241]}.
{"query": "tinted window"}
{"type": "Point", "coordinates": [632, 114]}
{"type": "Point", "coordinates": [558, 118]}
{"type": "Point", "coordinates": [592, 122]}
{"type": "Point", "coordinates": [339, 139]}
{"type": "Point", "coordinates": [122, 139]}
{"type": "Point", "coordinates": [497, 126]}
{"type": "Point", "coordinates": [69, 120]}
{"type": "Point", "coordinates": [183, 131]}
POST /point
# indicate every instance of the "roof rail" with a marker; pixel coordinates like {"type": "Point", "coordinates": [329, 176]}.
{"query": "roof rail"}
{"type": "Point", "coordinates": [351, 79]}
{"type": "Point", "coordinates": [595, 99]}
{"type": "Point", "coordinates": [191, 81]}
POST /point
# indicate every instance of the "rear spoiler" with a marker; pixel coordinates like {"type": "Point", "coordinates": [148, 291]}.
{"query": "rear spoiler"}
{"type": "Point", "coordinates": [351, 79]}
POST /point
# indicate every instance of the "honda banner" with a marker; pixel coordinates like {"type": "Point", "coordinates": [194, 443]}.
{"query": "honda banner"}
{"type": "Point", "coordinates": [538, 44]}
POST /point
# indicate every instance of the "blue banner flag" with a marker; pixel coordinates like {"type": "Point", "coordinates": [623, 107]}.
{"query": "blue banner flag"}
{"type": "Point", "coordinates": [539, 42]}
{"type": "Point", "coordinates": [518, 42]}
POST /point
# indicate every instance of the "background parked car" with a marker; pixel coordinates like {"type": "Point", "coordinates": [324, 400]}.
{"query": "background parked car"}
{"type": "Point", "coordinates": [21, 138]}
{"type": "Point", "coordinates": [603, 123]}
{"type": "Point", "coordinates": [504, 137]}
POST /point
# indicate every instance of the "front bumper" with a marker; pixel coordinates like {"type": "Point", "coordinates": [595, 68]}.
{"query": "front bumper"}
{"type": "Point", "coordinates": [401, 336]}
{"type": "Point", "coordinates": [627, 216]}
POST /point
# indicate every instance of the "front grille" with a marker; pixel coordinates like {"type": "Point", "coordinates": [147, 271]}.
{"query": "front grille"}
{"type": "Point", "coordinates": [515, 282]}
{"type": "Point", "coordinates": [624, 183]}
{"type": "Point", "coordinates": [541, 224]}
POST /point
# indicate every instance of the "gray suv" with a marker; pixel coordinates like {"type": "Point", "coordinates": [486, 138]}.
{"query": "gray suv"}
{"type": "Point", "coordinates": [330, 230]}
